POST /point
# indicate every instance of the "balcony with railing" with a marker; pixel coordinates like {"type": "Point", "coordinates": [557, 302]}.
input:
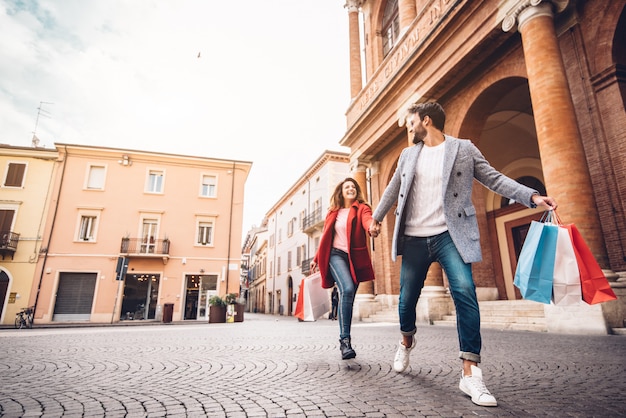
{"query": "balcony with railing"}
{"type": "Point", "coordinates": [146, 248]}
{"type": "Point", "coordinates": [306, 266]}
{"type": "Point", "coordinates": [313, 221]}
{"type": "Point", "coordinates": [8, 243]}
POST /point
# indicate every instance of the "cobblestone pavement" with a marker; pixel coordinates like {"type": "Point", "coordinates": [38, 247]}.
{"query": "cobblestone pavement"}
{"type": "Point", "coordinates": [272, 366]}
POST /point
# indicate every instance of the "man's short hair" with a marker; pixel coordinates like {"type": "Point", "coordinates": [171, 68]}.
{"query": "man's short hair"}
{"type": "Point", "coordinates": [431, 109]}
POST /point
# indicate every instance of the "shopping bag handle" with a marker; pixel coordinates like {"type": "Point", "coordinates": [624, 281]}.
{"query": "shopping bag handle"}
{"type": "Point", "coordinates": [550, 217]}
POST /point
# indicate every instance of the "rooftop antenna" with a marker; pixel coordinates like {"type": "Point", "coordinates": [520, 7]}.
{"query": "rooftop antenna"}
{"type": "Point", "coordinates": [40, 112]}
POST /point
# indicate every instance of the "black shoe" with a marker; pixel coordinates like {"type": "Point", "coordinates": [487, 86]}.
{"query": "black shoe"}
{"type": "Point", "coordinates": [346, 349]}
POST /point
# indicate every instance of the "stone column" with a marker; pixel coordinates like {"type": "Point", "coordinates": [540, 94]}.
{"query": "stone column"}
{"type": "Point", "coordinates": [364, 300]}
{"type": "Point", "coordinates": [407, 11]}
{"type": "Point", "coordinates": [563, 159]}
{"type": "Point", "coordinates": [355, 46]}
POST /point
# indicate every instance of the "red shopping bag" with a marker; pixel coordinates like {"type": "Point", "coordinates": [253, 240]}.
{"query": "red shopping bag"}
{"type": "Point", "coordinates": [299, 312]}
{"type": "Point", "coordinates": [595, 286]}
{"type": "Point", "coordinates": [313, 299]}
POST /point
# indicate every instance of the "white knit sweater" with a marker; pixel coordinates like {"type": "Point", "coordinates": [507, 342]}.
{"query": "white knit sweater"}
{"type": "Point", "coordinates": [425, 216]}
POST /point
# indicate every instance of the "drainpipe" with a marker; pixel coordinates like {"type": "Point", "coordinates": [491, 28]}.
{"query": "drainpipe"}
{"type": "Point", "coordinates": [47, 247]}
{"type": "Point", "coordinates": [230, 223]}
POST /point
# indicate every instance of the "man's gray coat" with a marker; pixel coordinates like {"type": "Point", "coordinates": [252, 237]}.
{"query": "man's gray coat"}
{"type": "Point", "coordinates": [463, 163]}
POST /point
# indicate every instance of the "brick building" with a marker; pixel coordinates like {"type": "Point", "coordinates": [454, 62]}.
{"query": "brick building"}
{"type": "Point", "coordinates": [538, 86]}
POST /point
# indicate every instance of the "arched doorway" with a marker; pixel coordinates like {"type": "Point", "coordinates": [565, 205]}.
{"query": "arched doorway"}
{"type": "Point", "coordinates": [4, 288]}
{"type": "Point", "coordinates": [290, 297]}
{"type": "Point", "coordinates": [502, 124]}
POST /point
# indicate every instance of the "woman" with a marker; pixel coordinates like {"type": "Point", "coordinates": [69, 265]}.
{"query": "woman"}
{"type": "Point", "coordinates": [343, 256]}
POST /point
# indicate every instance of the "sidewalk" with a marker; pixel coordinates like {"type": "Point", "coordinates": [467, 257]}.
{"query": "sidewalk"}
{"type": "Point", "coordinates": [270, 366]}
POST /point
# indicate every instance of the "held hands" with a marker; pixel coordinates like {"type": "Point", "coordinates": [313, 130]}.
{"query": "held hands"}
{"type": "Point", "coordinates": [374, 228]}
{"type": "Point", "coordinates": [545, 201]}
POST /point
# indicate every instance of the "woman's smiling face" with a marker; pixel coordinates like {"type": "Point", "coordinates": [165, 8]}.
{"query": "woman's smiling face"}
{"type": "Point", "coordinates": [349, 193]}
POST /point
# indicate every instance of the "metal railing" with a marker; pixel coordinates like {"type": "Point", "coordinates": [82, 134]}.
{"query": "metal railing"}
{"type": "Point", "coordinates": [8, 243]}
{"type": "Point", "coordinates": [9, 240]}
{"type": "Point", "coordinates": [139, 246]}
{"type": "Point", "coordinates": [312, 219]}
{"type": "Point", "coordinates": [306, 266]}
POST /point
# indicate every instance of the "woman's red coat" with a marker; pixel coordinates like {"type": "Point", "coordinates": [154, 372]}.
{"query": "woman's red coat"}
{"type": "Point", "coordinates": [359, 220]}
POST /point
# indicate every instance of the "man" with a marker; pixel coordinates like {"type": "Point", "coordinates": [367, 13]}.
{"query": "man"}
{"type": "Point", "coordinates": [436, 221]}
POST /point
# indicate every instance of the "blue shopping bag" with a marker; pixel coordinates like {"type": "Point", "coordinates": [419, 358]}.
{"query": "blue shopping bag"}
{"type": "Point", "coordinates": [534, 275]}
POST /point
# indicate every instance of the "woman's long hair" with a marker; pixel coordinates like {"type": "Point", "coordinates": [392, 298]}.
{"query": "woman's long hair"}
{"type": "Point", "coordinates": [336, 199]}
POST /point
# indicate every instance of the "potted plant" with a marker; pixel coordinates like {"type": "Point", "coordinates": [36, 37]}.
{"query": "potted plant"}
{"type": "Point", "coordinates": [236, 307]}
{"type": "Point", "coordinates": [166, 245]}
{"type": "Point", "coordinates": [125, 243]}
{"type": "Point", "coordinates": [217, 309]}
{"type": "Point", "coordinates": [230, 299]}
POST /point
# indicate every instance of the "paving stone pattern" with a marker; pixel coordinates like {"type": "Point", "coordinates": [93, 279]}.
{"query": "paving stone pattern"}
{"type": "Point", "coordinates": [272, 366]}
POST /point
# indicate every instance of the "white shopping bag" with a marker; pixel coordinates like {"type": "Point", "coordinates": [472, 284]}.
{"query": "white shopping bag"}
{"type": "Point", "coordinates": [566, 288]}
{"type": "Point", "coordinates": [313, 300]}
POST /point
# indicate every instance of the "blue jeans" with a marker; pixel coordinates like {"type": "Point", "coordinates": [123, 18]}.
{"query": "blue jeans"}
{"type": "Point", "coordinates": [419, 253]}
{"type": "Point", "coordinates": [340, 269]}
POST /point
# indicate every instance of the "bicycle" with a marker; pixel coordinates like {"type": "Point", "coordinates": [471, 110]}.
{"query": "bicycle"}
{"type": "Point", "coordinates": [24, 318]}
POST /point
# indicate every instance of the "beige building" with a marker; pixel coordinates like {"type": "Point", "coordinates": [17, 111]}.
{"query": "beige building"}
{"type": "Point", "coordinates": [24, 194]}
{"type": "Point", "coordinates": [138, 235]}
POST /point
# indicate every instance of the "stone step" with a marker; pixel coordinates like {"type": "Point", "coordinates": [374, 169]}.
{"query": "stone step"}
{"type": "Point", "coordinates": [504, 319]}
{"type": "Point", "coordinates": [445, 323]}
{"type": "Point", "coordinates": [387, 315]}
{"type": "Point", "coordinates": [619, 331]}
{"type": "Point", "coordinates": [513, 308]}
{"type": "Point", "coordinates": [521, 315]}
{"type": "Point", "coordinates": [499, 325]}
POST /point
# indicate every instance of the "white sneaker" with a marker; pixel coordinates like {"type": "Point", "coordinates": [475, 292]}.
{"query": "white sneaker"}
{"type": "Point", "coordinates": [474, 387]}
{"type": "Point", "coordinates": [401, 361]}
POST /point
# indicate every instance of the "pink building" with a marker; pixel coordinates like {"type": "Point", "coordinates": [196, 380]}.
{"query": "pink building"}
{"type": "Point", "coordinates": [138, 235]}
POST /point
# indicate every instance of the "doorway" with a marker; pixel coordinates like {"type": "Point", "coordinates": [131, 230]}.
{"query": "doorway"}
{"type": "Point", "coordinates": [199, 289]}
{"type": "Point", "coordinates": [4, 287]}
{"type": "Point", "coordinates": [140, 297]}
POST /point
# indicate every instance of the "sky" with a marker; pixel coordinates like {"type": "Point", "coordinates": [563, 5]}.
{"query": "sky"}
{"type": "Point", "coordinates": [260, 81]}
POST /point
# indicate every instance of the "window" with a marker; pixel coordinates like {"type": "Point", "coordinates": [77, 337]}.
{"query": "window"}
{"type": "Point", "coordinates": [87, 224]}
{"type": "Point", "coordinates": [148, 235]}
{"type": "Point", "coordinates": [205, 233]}
{"type": "Point", "coordinates": [155, 182]}
{"type": "Point", "coordinates": [209, 186]}
{"type": "Point", "coordinates": [87, 228]}
{"type": "Point", "coordinates": [289, 261]}
{"type": "Point", "coordinates": [300, 254]}
{"type": "Point", "coordinates": [15, 175]}
{"type": "Point", "coordinates": [317, 206]}
{"type": "Point", "coordinates": [391, 26]}
{"type": "Point", "coordinates": [95, 177]}
{"type": "Point", "coordinates": [302, 218]}
{"type": "Point", "coordinates": [290, 227]}
{"type": "Point", "coordinates": [277, 266]}
{"type": "Point", "coordinates": [6, 223]}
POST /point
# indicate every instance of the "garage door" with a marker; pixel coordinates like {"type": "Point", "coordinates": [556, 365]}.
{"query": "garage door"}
{"type": "Point", "coordinates": [74, 297]}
